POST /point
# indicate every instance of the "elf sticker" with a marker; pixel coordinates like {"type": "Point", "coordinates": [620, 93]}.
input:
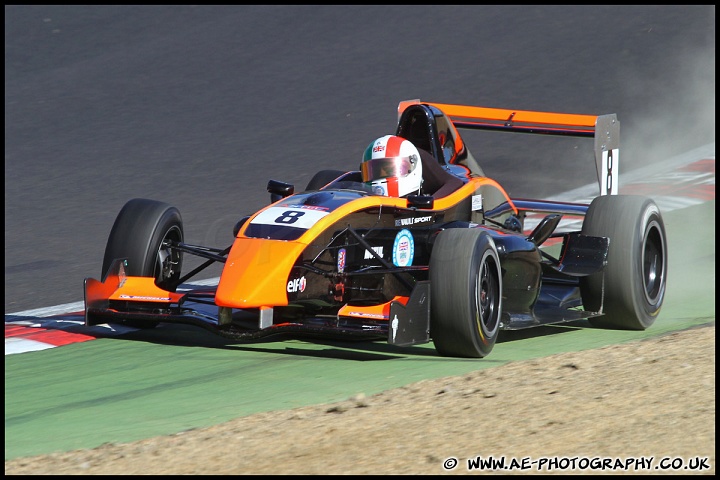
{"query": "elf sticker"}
{"type": "Point", "coordinates": [297, 285]}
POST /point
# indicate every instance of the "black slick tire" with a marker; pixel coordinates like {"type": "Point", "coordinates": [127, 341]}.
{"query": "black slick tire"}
{"type": "Point", "coordinates": [322, 178]}
{"type": "Point", "coordinates": [631, 289]}
{"type": "Point", "coordinates": [137, 235]}
{"type": "Point", "coordinates": [466, 293]}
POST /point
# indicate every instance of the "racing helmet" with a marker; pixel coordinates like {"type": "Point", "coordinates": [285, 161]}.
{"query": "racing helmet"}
{"type": "Point", "coordinates": [391, 167]}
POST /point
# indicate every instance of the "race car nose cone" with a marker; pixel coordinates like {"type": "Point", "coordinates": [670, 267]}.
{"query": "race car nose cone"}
{"type": "Point", "coordinates": [256, 273]}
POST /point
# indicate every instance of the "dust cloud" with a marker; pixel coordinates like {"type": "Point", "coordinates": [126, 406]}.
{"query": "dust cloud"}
{"type": "Point", "coordinates": [679, 119]}
{"type": "Point", "coordinates": [680, 109]}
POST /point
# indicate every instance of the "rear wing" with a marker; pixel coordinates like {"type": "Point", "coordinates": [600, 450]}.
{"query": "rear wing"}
{"type": "Point", "coordinates": [605, 129]}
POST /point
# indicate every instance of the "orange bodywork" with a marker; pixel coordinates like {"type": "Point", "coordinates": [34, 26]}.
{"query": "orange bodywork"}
{"type": "Point", "coordinates": [371, 312]}
{"type": "Point", "coordinates": [255, 273]}
{"type": "Point", "coordinates": [257, 269]}
{"type": "Point", "coordinates": [523, 116]}
{"type": "Point", "coordinates": [142, 289]}
{"type": "Point", "coordinates": [501, 114]}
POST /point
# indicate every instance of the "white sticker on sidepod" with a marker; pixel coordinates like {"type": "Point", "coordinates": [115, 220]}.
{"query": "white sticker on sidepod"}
{"type": "Point", "coordinates": [370, 256]}
{"type": "Point", "coordinates": [476, 203]}
{"type": "Point", "coordinates": [403, 248]}
{"type": "Point", "coordinates": [289, 216]}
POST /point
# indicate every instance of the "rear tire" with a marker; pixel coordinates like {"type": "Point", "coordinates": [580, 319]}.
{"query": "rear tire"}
{"type": "Point", "coordinates": [636, 274]}
{"type": "Point", "coordinates": [466, 293]}
{"type": "Point", "coordinates": [322, 178]}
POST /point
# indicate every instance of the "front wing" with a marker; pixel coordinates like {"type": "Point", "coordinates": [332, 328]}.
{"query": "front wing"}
{"type": "Point", "coordinates": [138, 301]}
{"type": "Point", "coordinates": [403, 321]}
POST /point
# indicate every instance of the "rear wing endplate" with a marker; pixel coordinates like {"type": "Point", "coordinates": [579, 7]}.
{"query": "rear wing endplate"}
{"type": "Point", "coordinates": [605, 129]}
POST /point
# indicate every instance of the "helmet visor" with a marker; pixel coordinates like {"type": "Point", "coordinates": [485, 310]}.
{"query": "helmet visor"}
{"type": "Point", "coordinates": [377, 168]}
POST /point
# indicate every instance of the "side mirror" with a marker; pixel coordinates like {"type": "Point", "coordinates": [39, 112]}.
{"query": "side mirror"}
{"type": "Point", "coordinates": [279, 190]}
{"type": "Point", "coordinates": [423, 202]}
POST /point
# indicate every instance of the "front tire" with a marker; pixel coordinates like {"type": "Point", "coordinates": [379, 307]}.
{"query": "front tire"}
{"type": "Point", "coordinates": [466, 293]}
{"type": "Point", "coordinates": [138, 235]}
{"type": "Point", "coordinates": [631, 289]}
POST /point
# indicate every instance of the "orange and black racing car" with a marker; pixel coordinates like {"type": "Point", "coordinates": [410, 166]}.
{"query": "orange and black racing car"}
{"type": "Point", "coordinates": [453, 264]}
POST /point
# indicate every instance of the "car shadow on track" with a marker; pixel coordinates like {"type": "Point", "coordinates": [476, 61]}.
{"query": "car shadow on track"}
{"type": "Point", "coordinates": [321, 346]}
{"type": "Point", "coordinates": [534, 332]}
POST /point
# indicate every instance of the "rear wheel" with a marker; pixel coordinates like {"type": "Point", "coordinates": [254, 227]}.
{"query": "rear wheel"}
{"type": "Point", "coordinates": [322, 178]}
{"type": "Point", "coordinates": [139, 234]}
{"type": "Point", "coordinates": [631, 288]}
{"type": "Point", "coordinates": [466, 293]}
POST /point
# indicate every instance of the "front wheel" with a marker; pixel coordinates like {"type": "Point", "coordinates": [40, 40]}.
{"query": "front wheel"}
{"type": "Point", "coordinates": [631, 288]}
{"type": "Point", "coordinates": [466, 293]}
{"type": "Point", "coordinates": [140, 234]}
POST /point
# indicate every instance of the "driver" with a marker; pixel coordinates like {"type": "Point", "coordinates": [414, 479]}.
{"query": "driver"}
{"type": "Point", "coordinates": [391, 167]}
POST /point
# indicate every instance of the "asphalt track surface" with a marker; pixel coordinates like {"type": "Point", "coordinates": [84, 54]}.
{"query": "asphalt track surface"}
{"type": "Point", "coordinates": [199, 106]}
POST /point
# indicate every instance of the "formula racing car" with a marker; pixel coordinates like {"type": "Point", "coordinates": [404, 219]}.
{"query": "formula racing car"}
{"type": "Point", "coordinates": [454, 263]}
